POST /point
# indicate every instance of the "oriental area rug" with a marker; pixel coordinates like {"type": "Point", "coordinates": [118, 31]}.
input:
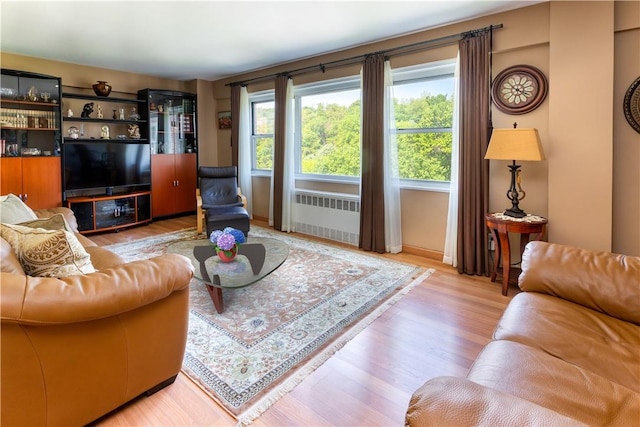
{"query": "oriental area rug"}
{"type": "Point", "coordinates": [274, 333]}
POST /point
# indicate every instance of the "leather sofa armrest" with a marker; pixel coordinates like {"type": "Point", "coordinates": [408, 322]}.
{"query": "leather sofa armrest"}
{"type": "Point", "coordinates": [43, 300]}
{"type": "Point", "coordinates": [68, 214]}
{"type": "Point", "coordinates": [450, 401]}
{"type": "Point", "coordinates": [602, 281]}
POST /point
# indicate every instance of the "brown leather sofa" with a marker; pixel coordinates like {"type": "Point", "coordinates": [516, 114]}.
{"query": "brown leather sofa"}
{"type": "Point", "coordinates": [75, 348]}
{"type": "Point", "coordinates": [565, 352]}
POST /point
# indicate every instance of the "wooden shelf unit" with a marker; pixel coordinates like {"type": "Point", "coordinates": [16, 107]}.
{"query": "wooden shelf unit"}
{"type": "Point", "coordinates": [103, 213]}
{"type": "Point", "coordinates": [172, 134]}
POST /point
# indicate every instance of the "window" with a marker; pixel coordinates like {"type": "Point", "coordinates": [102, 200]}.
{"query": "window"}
{"type": "Point", "coordinates": [423, 107]}
{"type": "Point", "coordinates": [262, 125]}
{"type": "Point", "coordinates": [328, 129]}
{"type": "Point", "coordinates": [328, 121]}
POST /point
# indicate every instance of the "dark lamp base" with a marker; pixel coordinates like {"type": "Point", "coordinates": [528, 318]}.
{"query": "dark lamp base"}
{"type": "Point", "coordinates": [515, 212]}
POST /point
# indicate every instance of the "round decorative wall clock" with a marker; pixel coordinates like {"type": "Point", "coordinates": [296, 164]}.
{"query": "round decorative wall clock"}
{"type": "Point", "coordinates": [631, 105]}
{"type": "Point", "coordinates": [519, 89]}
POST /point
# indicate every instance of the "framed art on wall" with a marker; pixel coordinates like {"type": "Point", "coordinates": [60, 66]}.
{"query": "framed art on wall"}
{"type": "Point", "coordinates": [631, 105]}
{"type": "Point", "coordinates": [224, 120]}
{"type": "Point", "coordinates": [519, 89]}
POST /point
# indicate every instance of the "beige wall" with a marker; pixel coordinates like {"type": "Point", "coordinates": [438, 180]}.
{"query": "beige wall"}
{"type": "Point", "coordinates": [223, 135]}
{"type": "Point", "coordinates": [580, 124]}
{"type": "Point", "coordinates": [626, 141]}
{"type": "Point", "coordinates": [207, 124]}
{"type": "Point", "coordinates": [589, 186]}
{"type": "Point", "coordinates": [79, 78]}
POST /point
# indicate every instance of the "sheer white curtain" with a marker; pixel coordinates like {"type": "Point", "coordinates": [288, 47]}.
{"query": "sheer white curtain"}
{"type": "Point", "coordinates": [244, 149]}
{"type": "Point", "coordinates": [288, 190]}
{"type": "Point", "coordinates": [451, 236]}
{"type": "Point", "coordinates": [392, 216]}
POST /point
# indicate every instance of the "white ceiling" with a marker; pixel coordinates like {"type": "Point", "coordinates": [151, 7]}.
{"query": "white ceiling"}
{"type": "Point", "coordinates": [210, 40]}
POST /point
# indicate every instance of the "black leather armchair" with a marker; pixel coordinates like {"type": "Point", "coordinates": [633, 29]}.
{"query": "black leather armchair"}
{"type": "Point", "coordinates": [219, 201]}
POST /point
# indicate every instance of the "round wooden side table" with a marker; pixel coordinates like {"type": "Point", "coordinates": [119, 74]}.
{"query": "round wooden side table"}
{"type": "Point", "coordinates": [500, 226]}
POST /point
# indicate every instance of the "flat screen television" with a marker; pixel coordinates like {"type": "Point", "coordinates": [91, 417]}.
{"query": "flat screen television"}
{"type": "Point", "coordinates": [93, 165]}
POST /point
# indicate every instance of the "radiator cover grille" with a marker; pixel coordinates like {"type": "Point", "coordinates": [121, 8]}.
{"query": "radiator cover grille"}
{"type": "Point", "coordinates": [328, 215]}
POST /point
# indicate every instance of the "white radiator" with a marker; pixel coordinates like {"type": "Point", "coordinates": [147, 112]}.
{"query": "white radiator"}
{"type": "Point", "coordinates": [328, 215]}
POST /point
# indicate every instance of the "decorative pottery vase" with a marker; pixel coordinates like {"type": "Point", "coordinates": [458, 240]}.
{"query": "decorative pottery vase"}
{"type": "Point", "coordinates": [74, 133]}
{"type": "Point", "coordinates": [223, 255]}
{"type": "Point", "coordinates": [102, 88]}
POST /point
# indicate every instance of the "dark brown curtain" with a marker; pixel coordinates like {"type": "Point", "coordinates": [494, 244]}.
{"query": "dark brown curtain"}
{"type": "Point", "coordinates": [475, 128]}
{"type": "Point", "coordinates": [235, 126]}
{"type": "Point", "coordinates": [279, 135]}
{"type": "Point", "coordinates": [372, 169]}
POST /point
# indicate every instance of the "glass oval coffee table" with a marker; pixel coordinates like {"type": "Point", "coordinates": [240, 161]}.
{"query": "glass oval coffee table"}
{"type": "Point", "coordinates": [256, 258]}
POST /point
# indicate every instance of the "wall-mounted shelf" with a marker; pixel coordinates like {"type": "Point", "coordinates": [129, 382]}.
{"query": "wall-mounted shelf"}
{"type": "Point", "coordinates": [53, 105]}
{"type": "Point", "coordinates": [93, 120]}
{"type": "Point", "coordinates": [128, 140]}
{"type": "Point", "coordinates": [110, 124]}
{"type": "Point", "coordinates": [27, 128]}
{"type": "Point", "coordinates": [101, 98]}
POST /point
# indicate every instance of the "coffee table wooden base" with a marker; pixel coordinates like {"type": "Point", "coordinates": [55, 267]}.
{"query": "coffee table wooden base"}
{"type": "Point", "coordinates": [250, 266]}
{"type": "Point", "coordinates": [254, 252]}
{"type": "Point", "coordinates": [216, 296]}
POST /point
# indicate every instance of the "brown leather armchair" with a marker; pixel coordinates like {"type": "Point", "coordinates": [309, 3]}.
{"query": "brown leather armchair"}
{"type": "Point", "coordinates": [75, 348]}
{"type": "Point", "coordinates": [565, 351]}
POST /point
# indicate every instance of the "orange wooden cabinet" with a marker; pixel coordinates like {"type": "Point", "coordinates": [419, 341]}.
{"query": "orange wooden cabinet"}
{"type": "Point", "coordinates": [30, 138]}
{"type": "Point", "coordinates": [172, 134]}
{"type": "Point", "coordinates": [173, 183]}
{"type": "Point", "coordinates": [36, 180]}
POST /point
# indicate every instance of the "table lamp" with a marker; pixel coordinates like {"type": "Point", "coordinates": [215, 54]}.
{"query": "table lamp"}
{"type": "Point", "coordinates": [515, 144]}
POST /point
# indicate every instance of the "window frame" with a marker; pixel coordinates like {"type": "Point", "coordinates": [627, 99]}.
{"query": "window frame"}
{"type": "Point", "coordinates": [318, 88]}
{"type": "Point", "coordinates": [412, 74]}
{"type": "Point", "coordinates": [256, 98]}
{"type": "Point", "coordinates": [420, 72]}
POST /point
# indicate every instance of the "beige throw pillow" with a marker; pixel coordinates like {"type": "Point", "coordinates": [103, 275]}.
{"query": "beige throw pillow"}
{"type": "Point", "coordinates": [54, 222]}
{"type": "Point", "coordinates": [13, 210]}
{"type": "Point", "coordinates": [47, 253]}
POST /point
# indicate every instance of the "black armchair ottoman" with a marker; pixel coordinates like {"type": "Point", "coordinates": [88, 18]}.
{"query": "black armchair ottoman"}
{"type": "Point", "coordinates": [219, 218]}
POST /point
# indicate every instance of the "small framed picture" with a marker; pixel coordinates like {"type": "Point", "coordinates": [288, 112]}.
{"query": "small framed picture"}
{"type": "Point", "coordinates": [224, 120]}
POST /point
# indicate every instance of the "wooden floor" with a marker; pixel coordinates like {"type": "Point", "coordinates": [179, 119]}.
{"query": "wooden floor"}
{"type": "Point", "coordinates": [438, 328]}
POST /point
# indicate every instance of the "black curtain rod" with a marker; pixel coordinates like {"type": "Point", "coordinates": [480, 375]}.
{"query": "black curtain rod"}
{"type": "Point", "coordinates": [396, 51]}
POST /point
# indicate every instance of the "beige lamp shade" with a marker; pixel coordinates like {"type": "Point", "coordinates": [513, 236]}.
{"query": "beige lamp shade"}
{"type": "Point", "coordinates": [515, 144]}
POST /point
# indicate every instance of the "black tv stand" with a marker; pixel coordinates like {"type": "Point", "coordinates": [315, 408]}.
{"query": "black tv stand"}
{"type": "Point", "coordinates": [114, 212]}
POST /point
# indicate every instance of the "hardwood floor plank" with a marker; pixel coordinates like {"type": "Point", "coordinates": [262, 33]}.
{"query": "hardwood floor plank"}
{"type": "Point", "coordinates": [438, 328]}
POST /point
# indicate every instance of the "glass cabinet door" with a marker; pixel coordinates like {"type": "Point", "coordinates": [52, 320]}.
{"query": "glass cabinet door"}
{"type": "Point", "coordinates": [30, 114]}
{"type": "Point", "coordinates": [172, 121]}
